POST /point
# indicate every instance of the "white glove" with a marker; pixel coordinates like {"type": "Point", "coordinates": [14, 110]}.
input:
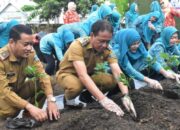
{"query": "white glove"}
{"type": "Point", "coordinates": [172, 75]}
{"type": "Point", "coordinates": [109, 105]}
{"type": "Point", "coordinates": [154, 84]}
{"type": "Point", "coordinates": [177, 77]}
{"type": "Point", "coordinates": [129, 105]}
{"type": "Point", "coordinates": [169, 74]}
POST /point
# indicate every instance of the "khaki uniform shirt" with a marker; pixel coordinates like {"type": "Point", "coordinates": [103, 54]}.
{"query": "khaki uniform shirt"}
{"type": "Point", "coordinates": [82, 50]}
{"type": "Point", "coordinates": [12, 76]}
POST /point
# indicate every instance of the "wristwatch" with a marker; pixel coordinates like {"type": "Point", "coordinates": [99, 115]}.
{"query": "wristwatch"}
{"type": "Point", "coordinates": [51, 99]}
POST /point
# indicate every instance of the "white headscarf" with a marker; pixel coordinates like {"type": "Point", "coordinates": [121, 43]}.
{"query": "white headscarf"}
{"type": "Point", "coordinates": [71, 6]}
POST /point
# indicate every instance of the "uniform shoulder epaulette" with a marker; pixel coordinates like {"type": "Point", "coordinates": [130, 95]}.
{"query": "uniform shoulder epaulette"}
{"type": "Point", "coordinates": [4, 54]}
{"type": "Point", "coordinates": [84, 41]}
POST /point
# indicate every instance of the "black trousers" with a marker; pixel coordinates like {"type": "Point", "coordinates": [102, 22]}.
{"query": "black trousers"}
{"type": "Point", "coordinates": [39, 53]}
{"type": "Point", "coordinates": [50, 60]}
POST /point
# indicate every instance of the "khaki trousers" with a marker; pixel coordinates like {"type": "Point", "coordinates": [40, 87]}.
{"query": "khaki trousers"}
{"type": "Point", "coordinates": [27, 92]}
{"type": "Point", "coordinates": [73, 86]}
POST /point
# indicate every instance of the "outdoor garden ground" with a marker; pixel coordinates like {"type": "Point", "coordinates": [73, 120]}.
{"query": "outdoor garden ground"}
{"type": "Point", "coordinates": [156, 111]}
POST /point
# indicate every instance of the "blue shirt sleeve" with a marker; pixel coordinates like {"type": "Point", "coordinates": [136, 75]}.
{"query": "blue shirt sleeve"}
{"type": "Point", "coordinates": [131, 72]}
{"type": "Point", "coordinates": [156, 66]}
{"type": "Point", "coordinates": [58, 51]}
{"type": "Point", "coordinates": [159, 27]}
{"type": "Point", "coordinates": [178, 46]}
{"type": "Point", "coordinates": [137, 22]}
{"type": "Point", "coordinates": [155, 51]}
{"type": "Point", "coordinates": [126, 20]}
{"type": "Point", "coordinates": [176, 51]}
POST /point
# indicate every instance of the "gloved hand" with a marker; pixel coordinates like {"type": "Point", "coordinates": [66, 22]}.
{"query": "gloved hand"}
{"type": "Point", "coordinates": [109, 105]}
{"type": "Point", "coordinates": [171, 75]}
{"type": "Point", "coordinates": [154, 84]}
{"type": "Point", "coordinates": [177, 77]}
{"type": "Point", "coordinates": [128, 104]}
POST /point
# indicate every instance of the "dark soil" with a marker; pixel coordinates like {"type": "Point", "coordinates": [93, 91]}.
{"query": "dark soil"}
{"type": "Point", "coordinates": [156, 110]}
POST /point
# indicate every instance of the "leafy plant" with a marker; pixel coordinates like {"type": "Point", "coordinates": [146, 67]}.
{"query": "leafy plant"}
{"type": "Point", "coordinates": [122, 5]}
{"type": "Point", "coordinates": [150, 61]}
{"type": "Point", "coordinates": [125, 80]}
{"type": "Point", "coordinates": [34, 75]}
{"type": "Point", "coordinates": [50, 9]}
{"type": "Point", "coordinates": [101, 67]}
{"type": "Point", "coordinates": [171, 61]}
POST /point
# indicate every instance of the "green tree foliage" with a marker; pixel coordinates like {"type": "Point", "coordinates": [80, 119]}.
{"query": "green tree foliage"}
{"type": "Point", "coordinates": [122, 5]}
{"type": "Point", "coordinates": [49, 9]}
{"type": "Point", "coordinates": [46, 9]}
{"type": "Point", "coordinates": [84, 6]}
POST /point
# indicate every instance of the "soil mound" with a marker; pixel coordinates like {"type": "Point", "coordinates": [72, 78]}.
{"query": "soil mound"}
{"type": "Point", "coordinates": [156, 111]}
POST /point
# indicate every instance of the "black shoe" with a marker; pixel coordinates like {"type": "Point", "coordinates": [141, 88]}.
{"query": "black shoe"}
{"type": "Point", "coordinates": [86, 97]}
{"type": "Point", "coordinates": [14, 123]}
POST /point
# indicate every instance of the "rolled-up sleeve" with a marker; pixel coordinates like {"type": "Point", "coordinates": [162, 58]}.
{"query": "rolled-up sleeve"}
{"type": "Point", "coordinates": [75, 52]}
{"type": "Point", "coordinates": [131, 72]}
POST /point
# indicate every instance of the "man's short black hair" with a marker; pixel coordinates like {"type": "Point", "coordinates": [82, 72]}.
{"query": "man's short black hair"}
{"type": "Point", "coordinates": [17, 30]}
{"type": "Point", "coordinates": [101, 25]}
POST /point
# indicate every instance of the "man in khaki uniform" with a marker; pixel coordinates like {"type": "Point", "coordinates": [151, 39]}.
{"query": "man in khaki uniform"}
{"type": "Point", "coordinates": [77, 69]}
{"type": "Point", "coordinates": [14, 91]}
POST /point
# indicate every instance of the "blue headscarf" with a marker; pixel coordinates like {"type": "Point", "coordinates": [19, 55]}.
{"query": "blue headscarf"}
{"type": "Point", "coordinates": [3, 25]}
{"type": "Point", "coordinates": [112, 6]}
{"type": "Point", "coordinates": [155, 6]}
{"type": "Point", "coordinates": [65, 37]}
{"type": "Point", "coordinates": [75, 28]}
{"type": "Point", "coordinates": [148, 16]}
{"type": "Point", "coordinates": [132, 14]}
{"type": "Point", "coordinates": [102, 12]}
{"type": "Point", "coordinates": [94, 8]}
{"type": "Point", "coordinates": [4, 34]}
{"type": "Point", "coordinates": [146, 30]}
{"type": "Point", "coordinates": [125, 38]}
{"type": "Point", "coordinates": [163, 45]}
{"type": "Point", "coordinates": [115, 20]}
{"type": "Point", "coordinates": [166, 36]}
{"type": "Point", "coordinates": [57, 41]}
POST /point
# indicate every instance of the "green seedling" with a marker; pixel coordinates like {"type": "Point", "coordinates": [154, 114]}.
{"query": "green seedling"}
{"type": "Point", "coordinates": [171, 61]}
{"type": "Point", "coordinates": [34, 75]}
{"type": "Point", "coordinates": [125, 80]}
{"type": "Point", "coordinates": [101, 72]}
{"type": "Point", "coordinates": [101, 68]}
{"type": "Point", "coordinates": [150, 61]}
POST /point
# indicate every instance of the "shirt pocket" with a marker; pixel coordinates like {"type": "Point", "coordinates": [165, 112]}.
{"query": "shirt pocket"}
{"type": "Point", "coordinates": [12, 77]}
